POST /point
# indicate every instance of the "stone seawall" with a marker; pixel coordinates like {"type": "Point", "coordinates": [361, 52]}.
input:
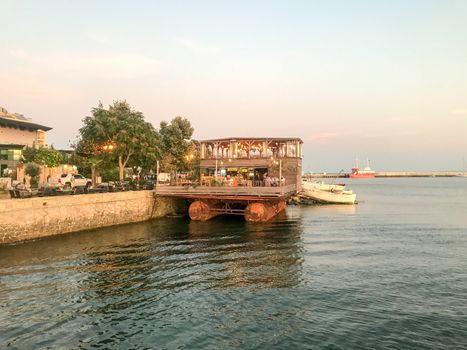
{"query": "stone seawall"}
{"type": "Point", "coordinates": [32, 218]}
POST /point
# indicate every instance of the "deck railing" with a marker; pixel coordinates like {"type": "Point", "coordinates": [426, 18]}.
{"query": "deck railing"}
{"type": "Point", "coordinates": [189, 190]}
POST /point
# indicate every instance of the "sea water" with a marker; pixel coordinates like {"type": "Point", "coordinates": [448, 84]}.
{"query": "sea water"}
{"type": "Point", "coordinates": [388, 273]}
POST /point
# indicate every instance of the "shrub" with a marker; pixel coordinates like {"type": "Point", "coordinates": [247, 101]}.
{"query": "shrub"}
{"type": "Point", "coordinates": [33, 170]}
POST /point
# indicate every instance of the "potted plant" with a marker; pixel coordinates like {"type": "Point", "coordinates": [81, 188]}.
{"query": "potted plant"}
{"type": "Point", "coordinates": [33, 171]}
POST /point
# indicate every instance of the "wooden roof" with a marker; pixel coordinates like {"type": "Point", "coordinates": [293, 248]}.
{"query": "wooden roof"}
{"type": "Point", "coordinates": [229, 139]}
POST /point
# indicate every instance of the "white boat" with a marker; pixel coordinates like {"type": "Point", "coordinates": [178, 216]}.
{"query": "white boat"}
{"type": "Point", "coordinates": [325, 187]}
{"type": "Point", "coordinates": [325, 193]}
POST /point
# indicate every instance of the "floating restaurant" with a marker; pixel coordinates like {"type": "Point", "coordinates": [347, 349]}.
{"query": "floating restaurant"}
{"type": "Point", "coordinates": [250, 176]}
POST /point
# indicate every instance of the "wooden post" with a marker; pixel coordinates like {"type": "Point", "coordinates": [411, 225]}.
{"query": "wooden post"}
{"type": "Point", "coordinates": [157, 172]}
{"type": "Point", "coordinates": [280, 172]}
{"type": "Point", "coordinates": [231, 149]}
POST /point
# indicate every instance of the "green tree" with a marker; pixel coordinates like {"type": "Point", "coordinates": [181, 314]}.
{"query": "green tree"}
{"type": "Point", "coordinates": [42, 156]}
{"type": "Point", "coordinates": [88, 160]}
{"type": "Point", "coordinates": [177, 144]}
{"type": "Point", "coordinates": [119, 134]}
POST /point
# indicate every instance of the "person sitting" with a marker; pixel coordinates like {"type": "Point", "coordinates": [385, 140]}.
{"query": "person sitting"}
{"type": "Point", "coordinates": [282, 181]}
{"type": "Point", "coordinates": [275, 181]}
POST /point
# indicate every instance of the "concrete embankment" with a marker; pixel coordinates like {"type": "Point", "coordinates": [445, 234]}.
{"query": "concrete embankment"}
{"type": "Point", "coordinates": [419, 174]}
{"type": "Point", "coordinates": [393, 174]}
{"type": "Point", "coordinates": [32, 218]}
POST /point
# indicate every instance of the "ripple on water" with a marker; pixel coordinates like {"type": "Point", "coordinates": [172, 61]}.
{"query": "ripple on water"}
{"type": "Point", "coordinates": [375, 276]}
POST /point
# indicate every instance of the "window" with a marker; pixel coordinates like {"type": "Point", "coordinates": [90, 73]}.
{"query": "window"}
{"type": "Point", "coordinates": [10, 154]}
{"type": "Point", "coordinates": [16, 154]}
{"type": "Point", "coordinates": [40, 137]}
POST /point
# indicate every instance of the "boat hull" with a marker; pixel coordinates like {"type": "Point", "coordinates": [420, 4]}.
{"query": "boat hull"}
{"type": "Point", "coordinates": [366, 173]}
{"type": "Point", "coordinates": [330, 197]}
{"type": "Point", "coordinates": [323, 186]}
{"type": "Point", "coordinates": [362, 176]}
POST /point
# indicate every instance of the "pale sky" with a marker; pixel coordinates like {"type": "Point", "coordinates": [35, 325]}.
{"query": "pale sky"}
{"type": "Point", "coordinates": [384, 80]}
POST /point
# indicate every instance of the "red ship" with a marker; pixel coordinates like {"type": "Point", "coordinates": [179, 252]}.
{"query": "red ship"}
{"type": "Point", "coordinates": [365, 173]}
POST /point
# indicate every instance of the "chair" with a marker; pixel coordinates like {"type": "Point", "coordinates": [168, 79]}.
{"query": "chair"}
{"type": "Point", "coordinates": [23, 194]}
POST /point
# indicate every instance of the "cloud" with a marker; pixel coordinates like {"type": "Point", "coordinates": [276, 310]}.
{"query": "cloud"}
{"type": "Point", "coordinates": [323, 137]}
{"type": "Point", "coordinates": [197, 46]}
{"type": "Point", "coordinates": [459, 111]}
{"type": "Point", "coordinates": [90, 65]}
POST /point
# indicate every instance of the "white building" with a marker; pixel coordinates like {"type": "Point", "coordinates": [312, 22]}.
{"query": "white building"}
{"type": "Point", "coordinates": [17, 132]}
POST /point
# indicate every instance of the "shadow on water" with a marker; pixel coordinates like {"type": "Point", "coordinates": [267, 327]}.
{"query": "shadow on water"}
{"type": "Point", "coordinates": [129, 276]}
{"type": "Point", "coordinates": [169, 253]}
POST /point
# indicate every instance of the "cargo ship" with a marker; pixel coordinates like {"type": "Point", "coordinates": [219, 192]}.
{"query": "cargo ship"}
{"type": "Point", "coordinates": [365, 173]}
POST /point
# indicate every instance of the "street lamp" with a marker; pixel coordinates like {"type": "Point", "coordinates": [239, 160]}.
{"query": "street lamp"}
{"type": "Point", "coordinates": [108, 147]}
{"type": "Point", "coordinates": [189, 158]}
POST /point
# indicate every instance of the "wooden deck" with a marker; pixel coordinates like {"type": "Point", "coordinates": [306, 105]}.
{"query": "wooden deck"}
{"type": "Point", "coordinates": [251, 163]}
{"type": "Point", "coordinates": [226, 192]}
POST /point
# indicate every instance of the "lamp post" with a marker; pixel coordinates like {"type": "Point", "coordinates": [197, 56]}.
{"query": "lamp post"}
{"type": "Point", "coordinates": [280, 172]}
{"type": "Point", "coordinates": [157, 172]}
{"type": "Point", "coordinates": [189, 158]}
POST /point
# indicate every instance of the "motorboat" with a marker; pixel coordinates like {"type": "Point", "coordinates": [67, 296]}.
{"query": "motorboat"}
{"type": "Point", "coordinates": [326, 187]}
{"type": "Point", "coordinates": [328, 193]}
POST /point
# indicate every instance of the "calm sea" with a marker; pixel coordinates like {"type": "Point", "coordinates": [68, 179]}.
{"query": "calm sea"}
{"type": "Point", "coordinates": [389, 273]}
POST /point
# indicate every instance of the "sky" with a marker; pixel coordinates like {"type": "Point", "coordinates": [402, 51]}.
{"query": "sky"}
{"type": "Point", "coordinates": [381, 80]}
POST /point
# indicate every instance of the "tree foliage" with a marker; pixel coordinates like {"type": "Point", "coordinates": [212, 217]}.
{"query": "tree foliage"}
{"type": "Point", "coordinates": [42, 156]}
{"type": "Point", "coordinates": [87, 160]}
{"type": "Point", "coordinates": [119, 134]}
{"type": "Point", "coordinates": [177, 144]}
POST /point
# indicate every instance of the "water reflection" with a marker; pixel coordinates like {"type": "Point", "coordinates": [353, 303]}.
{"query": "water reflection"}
{"type": "Point", "coordinates": [330, 209]}
{"type": "Point", "coordinates": [176, 254]}
{"type": "Point", "coordinates": [367, 276]}
{"type": "Point", "coordinates": [109, 284]}
{"type": "Point", "coordinates": [266, 255]}
{"type": "Point", "coordinates": [73, 247]}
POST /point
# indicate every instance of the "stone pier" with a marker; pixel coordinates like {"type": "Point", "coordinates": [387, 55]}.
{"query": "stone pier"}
{"type": "Point", "coordinates": [32, 218]}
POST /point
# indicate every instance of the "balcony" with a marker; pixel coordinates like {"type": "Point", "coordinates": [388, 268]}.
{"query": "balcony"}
{"type": "Point", "coordinates": [226, 192]}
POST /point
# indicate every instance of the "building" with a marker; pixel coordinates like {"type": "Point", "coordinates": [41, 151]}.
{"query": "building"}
{"type": "Point", "coordinates": [252, 161]}
{"type": "Point", "coordinates": [17, 132]}
{"type": "Point", "coordinates": [249, 176]}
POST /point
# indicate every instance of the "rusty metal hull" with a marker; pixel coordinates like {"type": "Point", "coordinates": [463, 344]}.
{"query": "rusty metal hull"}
{"type": "Point", "coordinates": [202, 210]}
{"type": "Point", "coordinates": [252, 211]}
{"type": "Point", "coordinates": [263, 211]}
